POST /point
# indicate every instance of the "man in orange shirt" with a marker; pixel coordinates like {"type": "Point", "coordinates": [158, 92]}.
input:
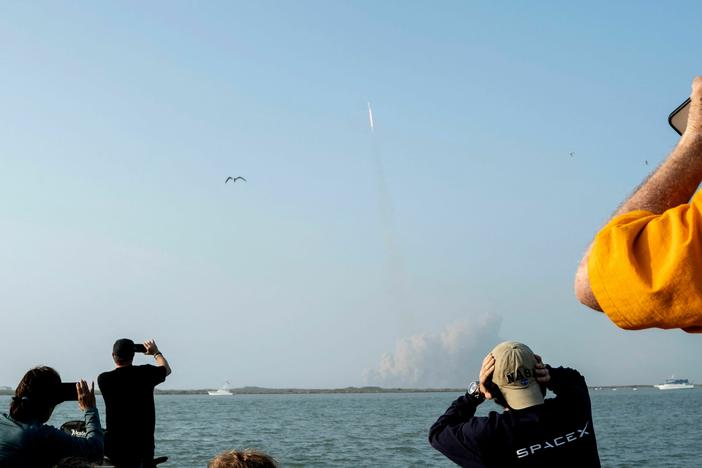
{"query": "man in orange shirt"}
{"type": "Point", "coordinates": [644, 268]}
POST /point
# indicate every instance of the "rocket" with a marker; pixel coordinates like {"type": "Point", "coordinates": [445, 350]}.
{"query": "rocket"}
{"type": "Point", "coordinates": [370, 117]}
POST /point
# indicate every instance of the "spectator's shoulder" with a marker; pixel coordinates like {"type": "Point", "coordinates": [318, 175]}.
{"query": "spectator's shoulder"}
{"type": "Point", "coordinates": [103, 377]}
{"type": "Point", "coordinates": [151, 369]}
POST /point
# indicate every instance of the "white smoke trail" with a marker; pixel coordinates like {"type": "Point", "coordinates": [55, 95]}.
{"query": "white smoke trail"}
{"type": "Point", "coordinates": [451, 358]}
{"type": "Point", "coordinates": [397, 289]}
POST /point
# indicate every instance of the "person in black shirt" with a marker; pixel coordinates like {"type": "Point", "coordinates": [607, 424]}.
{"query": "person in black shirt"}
{"type": "Point", "coordinates": [532, 431]}
{"type": "Point", "coordinates": [128, 392]}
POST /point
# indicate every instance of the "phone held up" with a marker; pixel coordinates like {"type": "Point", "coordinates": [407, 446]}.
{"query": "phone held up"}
{"type": "Point", "coordinates": [678, 118]}
{"type": "Point", "coordinates": [139, 348]}
{"type": "Point", "coordinates": [67, 392]}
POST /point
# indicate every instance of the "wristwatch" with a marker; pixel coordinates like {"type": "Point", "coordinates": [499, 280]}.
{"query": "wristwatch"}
{"type": "Point", "coordinates": [474, 392]}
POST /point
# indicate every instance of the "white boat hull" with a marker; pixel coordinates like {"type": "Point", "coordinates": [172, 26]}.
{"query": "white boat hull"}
{"type": "Point", "coordinates": [674, 386]}
{"type": "Point", "coordinates": [220, 393]}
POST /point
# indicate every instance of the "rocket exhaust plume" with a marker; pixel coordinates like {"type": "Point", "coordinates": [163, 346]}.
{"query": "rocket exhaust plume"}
{"type": "Point", "coordinates": [449, 358]}
{"type": "Point", "coordinates": [397, 289]}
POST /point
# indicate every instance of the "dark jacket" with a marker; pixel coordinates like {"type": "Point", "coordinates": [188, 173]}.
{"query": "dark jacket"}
{"type": "Point", "coordinates": [40, 445]}
{"type": "Point", "coordinates": [557, 433]}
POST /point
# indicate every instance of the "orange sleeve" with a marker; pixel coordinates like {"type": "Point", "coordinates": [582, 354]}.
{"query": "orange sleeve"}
{"type": "Point", "coordinates": [646, 269]}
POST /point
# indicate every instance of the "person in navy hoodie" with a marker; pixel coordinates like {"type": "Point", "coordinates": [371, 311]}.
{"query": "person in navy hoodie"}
{"type": "Point", "coordinates": [531, 431]}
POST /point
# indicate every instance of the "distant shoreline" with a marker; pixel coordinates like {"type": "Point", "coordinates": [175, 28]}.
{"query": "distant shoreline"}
{"type": "Point", "coordinates": [357, 390]}
{"type": "Point", "coordinates": [308, 391]}
{"type": "Point", "coordinates": [347, 390]}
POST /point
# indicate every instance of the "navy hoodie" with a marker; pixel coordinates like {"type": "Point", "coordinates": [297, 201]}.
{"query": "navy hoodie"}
{"type": "Point", "coordinates": [557, 433]}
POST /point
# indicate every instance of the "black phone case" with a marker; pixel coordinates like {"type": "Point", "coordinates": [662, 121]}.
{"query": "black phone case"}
{"type": "Point", "coordinates": [67, 392]}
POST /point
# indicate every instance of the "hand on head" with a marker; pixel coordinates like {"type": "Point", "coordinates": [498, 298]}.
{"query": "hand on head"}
{"type": "Point", "coordinates": [86, 396]}
{"type": "Point", "coordinates": [542, 374]}
{"type": "Point", "coordinates": [486, 371]}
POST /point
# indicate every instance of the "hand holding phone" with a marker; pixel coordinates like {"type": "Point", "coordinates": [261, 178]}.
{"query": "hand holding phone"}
{"type": "Point", "coordinates": [688, 115]}
{"type": "Point", "coordinates": [86, 396]}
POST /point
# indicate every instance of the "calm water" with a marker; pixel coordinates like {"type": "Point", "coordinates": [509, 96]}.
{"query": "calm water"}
{"type": "Point", "coordinates": [647, 427]}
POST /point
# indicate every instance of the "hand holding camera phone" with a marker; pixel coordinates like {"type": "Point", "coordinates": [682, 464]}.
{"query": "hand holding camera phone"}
{"type": "Point", "coordinates": [76, 391]}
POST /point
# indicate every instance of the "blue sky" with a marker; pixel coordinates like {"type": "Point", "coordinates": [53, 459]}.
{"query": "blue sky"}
{"type": "Point", "coordinates": [121, 120]}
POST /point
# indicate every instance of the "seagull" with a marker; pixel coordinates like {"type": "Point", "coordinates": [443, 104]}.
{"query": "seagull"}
{"type": "Point", "coordinates": [234, 179]}
{"type": "Point", "coordinates": [572, 153]}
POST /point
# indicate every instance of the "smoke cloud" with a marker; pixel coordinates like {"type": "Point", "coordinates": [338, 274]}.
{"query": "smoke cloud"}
{"type": "Point", "coordinates": [451, 358]}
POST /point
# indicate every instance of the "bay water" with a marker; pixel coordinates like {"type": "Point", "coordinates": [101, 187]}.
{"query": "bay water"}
{"type": "Point", "coordinates": [646, 427]}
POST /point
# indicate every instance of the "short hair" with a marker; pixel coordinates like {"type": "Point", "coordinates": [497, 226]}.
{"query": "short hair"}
{"type": "Point", "coordinates": [35, 395]}
{"type": "Point", "coordinates": [123, 351]}
{"type": "Point", "coordinates": [122, 361]}
{"type": "Point", "coordinates": [246, 458]}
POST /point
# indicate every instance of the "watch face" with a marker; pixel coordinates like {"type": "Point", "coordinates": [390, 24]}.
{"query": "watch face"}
{"type": "Point", "coordinates": [473, 388]}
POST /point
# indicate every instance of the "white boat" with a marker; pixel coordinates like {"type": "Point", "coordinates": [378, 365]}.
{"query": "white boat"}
{"type": "Point", "coordinates": [674, 384]}
{"type": "Point", "coordinates": [223, 390]}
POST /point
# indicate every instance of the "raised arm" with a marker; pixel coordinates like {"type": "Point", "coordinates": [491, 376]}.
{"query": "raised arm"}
{"type": "Point", "coordinates": [90, 446]}
{"type": "Point", "coordinates": [671, 184]}
{"type": "Point", "coordinates": [568, 383]}
{"type": "Point", "coordinates": [152, 350]}
{"type": "Point", "coordinates": [454, 433]}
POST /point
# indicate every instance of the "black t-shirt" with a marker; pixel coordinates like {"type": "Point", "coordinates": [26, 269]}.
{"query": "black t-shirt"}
{"type": "Point", "coordinates": [558, 433]}
{"type": "Point", "coordinates": [129, 402]}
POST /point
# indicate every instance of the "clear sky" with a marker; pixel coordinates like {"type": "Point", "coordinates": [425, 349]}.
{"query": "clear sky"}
{"type": "Point", "coordinates": [398, 257]}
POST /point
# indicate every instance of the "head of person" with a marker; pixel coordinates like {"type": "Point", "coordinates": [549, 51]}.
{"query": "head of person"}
{"type": "Point", "coordinates": [36, 395]}
{"type": "Point", "coordinates": [242, 459]}
{"type": "Point", "coordinates": [123, 352]}
{"type": "Point", "coordinates": [514, 379]}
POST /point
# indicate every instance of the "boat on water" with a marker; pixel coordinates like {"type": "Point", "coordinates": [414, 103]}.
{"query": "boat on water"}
{"type": "Point", "coordinates": [222, 391]}
{"type": "Point", "coordinates": [674, 384]}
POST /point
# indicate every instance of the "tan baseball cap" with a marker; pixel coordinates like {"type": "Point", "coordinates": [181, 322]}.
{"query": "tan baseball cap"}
{"type": "Point", "coordinates": [515, 374]}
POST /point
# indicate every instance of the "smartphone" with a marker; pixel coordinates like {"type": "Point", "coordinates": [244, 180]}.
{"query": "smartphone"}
{"type": "Point", "coordinates": [678, 118]}
{"type": "Point", "coordinates": [67, 392]}
{"type": "Point", "coordinates": [139, 348]}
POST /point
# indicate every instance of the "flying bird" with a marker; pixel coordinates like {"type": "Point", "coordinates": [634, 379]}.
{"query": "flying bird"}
{"type": "Point", "coordinates": [646, 162]}
{"type": "Point", "coordinates": [572, 153]}
{"type": "Point", "coordinates": [234, 179]}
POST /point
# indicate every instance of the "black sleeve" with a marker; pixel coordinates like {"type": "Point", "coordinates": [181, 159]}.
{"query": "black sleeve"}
{"type": "Point", "coordinates": [103, 382]}
{"type": "Point", "coordinates": [60, 445]}
{"type": "Point", "coordinates": [157, 374]}
{"type": "Point", "coordinates": [453, 434]}
{"type": "Point", "coordinates": [568, 384]}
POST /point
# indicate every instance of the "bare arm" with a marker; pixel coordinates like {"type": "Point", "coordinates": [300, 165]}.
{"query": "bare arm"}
{"type": "Point", "coordinates": [672, 184]}
{"type": "Point", "coordinates": [152, 350]}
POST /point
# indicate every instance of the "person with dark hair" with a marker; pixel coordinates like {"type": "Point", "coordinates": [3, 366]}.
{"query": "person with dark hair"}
{"type": "Point", "coordinates": [25, 439]}
{"type": "Point", "coordinates": [128, 392]}
{"type": "Point", "coordinates": [242, 459]}
{"type": "Point", "coordinates": [531, 431]}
